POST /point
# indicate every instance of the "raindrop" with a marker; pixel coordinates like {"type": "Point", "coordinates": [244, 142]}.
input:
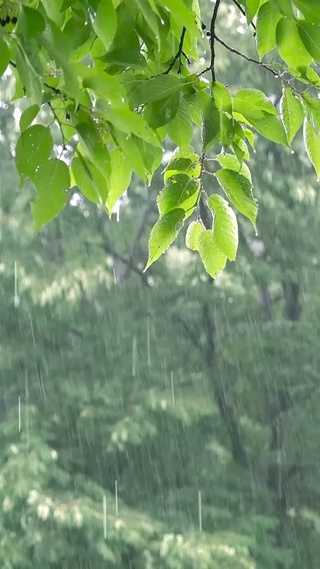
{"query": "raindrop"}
{"type": "Point", "coordinates": [172, 390]}
{"type": "Point", "coordinates": [19, 414]}
{"type": "Point", "coordinates": [104, 505]}
{"type": "Point", "coordinates": [16, 300]}
{"type": "Point", "coordinates": [116, 496]}
{"type": "Point", "coordinates": [134, 356]}
{"type": "Point", "coordinates": [200, 510]}
{"type": "Point", "coordinates": [292, 151]}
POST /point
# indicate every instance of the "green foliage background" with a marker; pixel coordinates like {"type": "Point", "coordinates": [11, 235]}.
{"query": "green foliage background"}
{"type": "Point", "coordinates": [160, 419]}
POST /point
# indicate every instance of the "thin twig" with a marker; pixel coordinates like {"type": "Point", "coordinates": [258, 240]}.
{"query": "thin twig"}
{"type": "Point", "coordinates": [212, 38]}
{"type": "Point", "coordinates": [236, 3]}
{"type": "Point", "coordinates": [178, 54]}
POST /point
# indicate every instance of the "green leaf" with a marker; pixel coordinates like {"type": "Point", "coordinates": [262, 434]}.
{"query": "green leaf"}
{"type": "Point", "coordinates": [103, 85]}
{"type": "Point", "coordinates": [159, 113]}
{"type": "Point", "coordinates": [211, 124]}
{"type": "Point", "coordinates": [4, 56]}
{"type": "Point", "coordinates": [291, 113]}
{"type": "Point", "coordinates": [284, 6]}
{"type": "Point", "coordinates": [213, 258]}
{"type": "Point", "coordinates": [29, 76]}
{"type": "Point", "coordinates": [230, 162]}
{"type": "Point", "coordinates": [126, 58]}
{"type": "Point", "coordinates": [104, 20]}
{"type": "Point", "coordinates": [130, 122]}
{"type": "Point", "coordinates": [180, 129]}
{"type": "Point", "coordinates": [310, 9]}
{"type": "Point", "coordinates": [30, 23]}
{"type": "Point", "coordinates": [52, 181]}
{"type": "Point", "coordinates": [252, 104]}
{"type": "Point", "coordinates": [290, 46]}
{"type": "Point", "coordinates": [141, 91]}
{"type": "Point", "coordinates": [225, 226]}
{"type": "Point", "coordinates": [251, 9]}
{"type": "Point", "coordinates": [312, 146]}
{"type": "Point", "coordinates": [222, 97]}
{"type": "Point", "coordinates": [238, 190]}
{"type": "Point", "coordinates": [267, 19]}
{"type": "Point", "coordinates": [312, 110]}
{"type": "Point", "coordinates": [96, 149]}
{"type": "Point", "coordinates": [271, 128]}
{"type": "Point", "coordinates": [132, 153]}
{"type": "Point", "coordinates": [193, 234]}
{"type": "Point", "coordinates": [180, 192]}
{"type": "Point", "coordinates": [89, 179]}
{"type": "Point", "coordinates": [33, 149]}
{"type": "Point", "coordinates": [164, 233]}
{"type": "Point", "coordinates": [120, 177]}
{"type": "Point", "coordinates": [309, 34]}
{"type": "Point", "coordinates": [28, 116]}
{"type": "Point", "coordinates": [226, 130]}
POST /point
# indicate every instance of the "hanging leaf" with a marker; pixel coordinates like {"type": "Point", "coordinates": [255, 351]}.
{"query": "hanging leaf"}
{"type": "Point", "coordinates": [212, 257]}
{"type": "Point", "coordinates": [238, 190]}
{"type": "Point", "coordinates": [52, 181]}
{"type": "Point", "coordinates": [267, 19]}
{"type": "Point", "coordinates": [180, 192]}
{"type": "Point", "coordinates": [225, 226]}
{"type": "Point", "coordinates": [193, 234]}
{"type": "Point", "coordinates": [312, 146]}
{"type": "Point", "coordinates": [164, 233]}
{"type": "Point", "coordinates": [291, 113]}
{"type": "Point", "coordinates": [33, 149]}
{"type": "Point", "coordinates": [104, 20]}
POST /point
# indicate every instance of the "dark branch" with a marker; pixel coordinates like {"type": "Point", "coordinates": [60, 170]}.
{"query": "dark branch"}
{"type": "Point", "coordinates": [236, 3]}
{"type": "Point", "coordinates": [212, 38]}
{"type": "Point", "coordinates": [178, 54]}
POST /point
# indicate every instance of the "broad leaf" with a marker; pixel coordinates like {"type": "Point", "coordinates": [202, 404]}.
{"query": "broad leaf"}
{"type": "Point", "coordinates": [180, 192]}
{"type": "Point", "coordinates": [193, 234]}
{"type": "Point", "coordinates": [52, 181]}
{"type": "Point", "coordinates": [222, 97]}
{"type": "Point", "coordinates": [310, 9]}
{"type": "Point", "coordinates": [33, 149]}
{"type": "Point", "coordinates": [211, 124]}
{"type": "Point", "coordinates": [180, 129]}
{"type": "Point", "coordinates": [268, 17]}
{"type": "Point", "coordinates": [164, 233]}
{"type": "Point", "coordinates": [271, 128]}
{"type": "Point", "coordinates": [310, 35]}
{"type": "Point", "coordinates": [212, 257]}
{"type": "Point", "coordinates": [104, 20]}
{"type": "Point", "coordinates": [238, 190]}
{"type": "Point", "coordinates": [290, 46]}
{"type": "Point", "coordinates": [120, 177]}
{"type": "Point", "coordinates": [225, 226]}
{"type": "Point", "coordinates": [230, 162]}
{"type": "Point", "coordinates": [4, 56]}
{"type": "Point", "coordinates": [291, 113]}
{"type": "Point", "coordinates": [90, 181]}
{"type": "Point", "coordinates": [312, 146]}
{"type": "Point", "coordinates": [253, 104]}
{"type": "Point", "coordinates": [28, 115]}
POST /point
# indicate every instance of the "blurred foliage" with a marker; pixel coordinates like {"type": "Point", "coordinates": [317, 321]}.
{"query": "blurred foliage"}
{"type": "Point", "coordinates": [160, 421]}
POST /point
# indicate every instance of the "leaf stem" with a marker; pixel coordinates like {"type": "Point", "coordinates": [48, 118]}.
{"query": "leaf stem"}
{"type": "Point", "coordinates": [178, 54]}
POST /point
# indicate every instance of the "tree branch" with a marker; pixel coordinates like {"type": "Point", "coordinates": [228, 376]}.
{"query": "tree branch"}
{"type": "Point", "coordinates": [236, 3]}
{"type": "Point", "coordinates": [213, 37]}
{"type": "Point", "coordinates": [178, 54]}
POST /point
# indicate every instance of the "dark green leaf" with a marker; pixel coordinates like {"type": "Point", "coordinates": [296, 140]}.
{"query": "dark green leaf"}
{"type": "Point", "coordinates": [28, 116]}
{"type": "Point", "coordinates": [52, 181]}
{"type": "Point", "coordinates": [291, 113]}
{"type": "Point", "coordinates": [104, 20]}
{"type": "Point", "coordinates": [211, 124]}
{"type": "Point", "coordinates": [310, 36]}
{"type": "Point", "coordinates": [4, 56]}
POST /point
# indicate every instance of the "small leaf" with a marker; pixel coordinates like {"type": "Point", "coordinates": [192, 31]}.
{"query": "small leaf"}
{"type": "Point", "coordinates": [225, 226]}
{"type": "Point", "coordinates": [238, 190]}
{"type": "Point", "coordinates": [164, 233]}
{"type": "Point", "coordinates": [230, 162]}
{"type": "Point", "coordinates": [211, 124]}
{"type": "Point", "coordinates": [4, 56]}
{"type": "Point", "coordinates": [104, 20]}
{"type": "Point", "coordinates": [28, 116]}
{"type": "Point", "coordinates": [211, 256]}
{"type": "Point", "coordinates": [52, 181]}
{"type": "Point", "coordinates": [33, 149]}
{"type": "Point", "coordinates": [312, 146]}
{"type": "Point", "coordinates": [193, 234]}
{"type": "Point", "coordinates": [120, 177]}
{"type": "Point", "coordinates": [291, 113]}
